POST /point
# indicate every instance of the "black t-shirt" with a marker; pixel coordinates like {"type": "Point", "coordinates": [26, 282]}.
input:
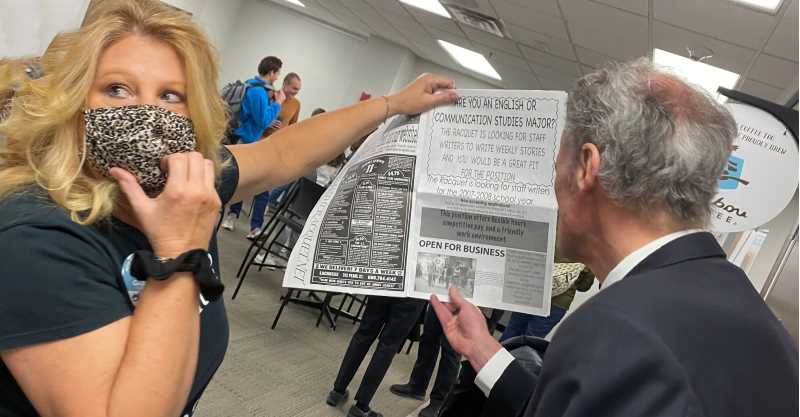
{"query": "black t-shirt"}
{"type": "Point", "coordinates": [59, 279]}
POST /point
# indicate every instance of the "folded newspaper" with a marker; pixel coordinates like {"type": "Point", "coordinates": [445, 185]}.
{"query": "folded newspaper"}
{"type": "Point", "coordinates": [462, 195]}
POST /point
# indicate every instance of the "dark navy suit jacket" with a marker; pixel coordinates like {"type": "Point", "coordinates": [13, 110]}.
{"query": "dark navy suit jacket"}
{"type": "Point", "coordinates": [684, 334]}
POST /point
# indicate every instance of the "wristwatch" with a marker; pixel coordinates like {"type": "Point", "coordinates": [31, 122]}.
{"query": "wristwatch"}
{"type": "Point", "coordinates": [146, 265]}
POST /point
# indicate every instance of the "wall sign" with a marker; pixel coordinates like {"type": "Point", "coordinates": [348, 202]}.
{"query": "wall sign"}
{"type": "Point", "coordinates": [760, 177]}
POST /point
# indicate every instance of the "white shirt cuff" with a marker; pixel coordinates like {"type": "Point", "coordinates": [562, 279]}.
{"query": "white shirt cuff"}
{"type": "Point", "coordinates": [492, 371]}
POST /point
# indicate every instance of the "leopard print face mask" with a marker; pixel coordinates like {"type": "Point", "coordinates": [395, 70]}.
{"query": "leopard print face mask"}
{"type": "Point", "coordinates": [136, 138]}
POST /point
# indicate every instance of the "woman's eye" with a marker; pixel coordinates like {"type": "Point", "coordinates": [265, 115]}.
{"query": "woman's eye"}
{"type": "Point", "coordinates": [119, 91]}
{"type": "Point", "coordinates": [172, 97]}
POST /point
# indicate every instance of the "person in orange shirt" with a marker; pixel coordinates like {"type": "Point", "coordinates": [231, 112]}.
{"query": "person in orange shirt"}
{"type": "Point", "coordinates": [290, 110]}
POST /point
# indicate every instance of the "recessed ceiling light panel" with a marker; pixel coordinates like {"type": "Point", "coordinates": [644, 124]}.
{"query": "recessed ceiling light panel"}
{"type": "Point", "coordinates": [698, 73]}
{"type": "Point", "coordinates": [770, 6]}
{"type": "Point", "coordinates": [296, 2]}
{"type": "Point", "coordinates": [471, 60]}
{"type": "Point", "coordinates": [432, 6]}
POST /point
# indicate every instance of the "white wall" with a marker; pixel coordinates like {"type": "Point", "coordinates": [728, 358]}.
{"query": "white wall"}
{"type": "Point", "coordinates": [217, 17]}
{"type": "Point", "coordinates": [28, 26]}
{"type": "Point", "coordinates": [405, 72]}
{"type": "Point", "coordinates": [325, 59]}
{"type": "Point", "coordinates": [335, 66]}
{"type": "Point", "coordinates": [378, 64]}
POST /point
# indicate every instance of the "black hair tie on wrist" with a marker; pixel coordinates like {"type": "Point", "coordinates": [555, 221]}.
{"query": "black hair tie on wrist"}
{"type": "Point", "coordinates": [145, 265]}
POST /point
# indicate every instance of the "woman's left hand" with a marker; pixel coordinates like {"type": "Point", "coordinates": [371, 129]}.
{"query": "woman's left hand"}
{"type": "Point", "coordinates": [425, 93]}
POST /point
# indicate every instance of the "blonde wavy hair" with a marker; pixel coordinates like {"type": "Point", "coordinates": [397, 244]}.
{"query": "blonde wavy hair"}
{"type": "Point", "coordinates": [45, 146]}
{"type": "Point", "coordinates": [12, 77]}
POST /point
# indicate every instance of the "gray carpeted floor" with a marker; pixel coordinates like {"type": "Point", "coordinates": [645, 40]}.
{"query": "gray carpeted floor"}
{"type": "Point", "coordinates": [287, 371]}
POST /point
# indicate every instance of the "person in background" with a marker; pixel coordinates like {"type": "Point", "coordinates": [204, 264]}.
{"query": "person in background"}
{"type": "Point", "coordinates": [390, 318]}
{"type": "Point", "coordinates": [431, 344]}
{"type": "Point", "coordinates": [564, 290]}
{"type": "Point", "coordinates": [111, 182]}
{"type": "Point", "coordinates": [290, 112]}
{"type": "Point", "coordinates": [676, 329]}
{"type": "Point", "coordinates": [258, 112]}
{"type": "Point", "coordinates": [328, 172]}
{"type": "Point", "coordinates": [290, 108]}
{"type": "Point", "coordinates": [287, 235]}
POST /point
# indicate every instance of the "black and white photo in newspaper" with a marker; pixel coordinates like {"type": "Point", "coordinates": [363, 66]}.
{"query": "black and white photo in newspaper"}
{"type": "Point", "coordinates": [485, 209]}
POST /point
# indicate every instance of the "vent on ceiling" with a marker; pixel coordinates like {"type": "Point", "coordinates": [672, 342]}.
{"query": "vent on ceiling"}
{"type": "Point", "coordinates": [477, 20]}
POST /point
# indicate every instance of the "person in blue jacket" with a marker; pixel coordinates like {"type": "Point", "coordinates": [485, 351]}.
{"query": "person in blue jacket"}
{"type": "Point", "coordinates": [260, 107]}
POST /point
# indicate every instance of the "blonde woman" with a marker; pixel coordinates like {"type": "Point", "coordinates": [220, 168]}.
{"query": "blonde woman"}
{"type": "Point", "coordinates": [88, 216]}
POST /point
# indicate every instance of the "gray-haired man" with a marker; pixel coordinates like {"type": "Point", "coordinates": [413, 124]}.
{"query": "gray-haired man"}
{"type": "Point", "coordinates": [676, 329]}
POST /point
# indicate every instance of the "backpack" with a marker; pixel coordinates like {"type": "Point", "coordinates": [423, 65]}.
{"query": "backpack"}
{"type": "Point", "coordinates": [233, 94]}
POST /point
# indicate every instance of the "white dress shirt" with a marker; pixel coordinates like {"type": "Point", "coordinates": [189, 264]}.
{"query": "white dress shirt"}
{"type": "Point", "coordinates": [494, 368]}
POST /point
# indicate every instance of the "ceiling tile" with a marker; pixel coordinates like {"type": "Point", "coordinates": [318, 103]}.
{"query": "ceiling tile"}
{"type": "Point", "coordinates": [722, 19]}
{"type": "Point", "coordinates": [547, 8]}
{"type": "Point", "coordinates": [376, 22]}
{"type": "Point", "coordinates": [322, 13]}
{"type": "Point", "coordinates": [559, 84]}
{"type": "Point", "coordinates": [359, 7]}
{"type": "Point", "coordinates": [392, 34]}
{"type": "Point", "coordinates": [492, 41]}
{"type": "Point", "coordinates": [527, 16]}
{"type": "Point", "coordinates": [517, 79]}
{"type": "Point", "coordinates": [432, 20]}
{"type": "Point", "coordinates": [774, 71]}
{"type": "Point", "coordinates": [391, 6]}
{"type": "Point", "coordinates": [562, 65]}
{"type": "Point", "coordinates": [482, 6]}
{"type": "Point", "coordinates": [419, 36]}
{"type": "Point", "coordinates": [401, 20]}
{"type": "Point", "coordinates": [459, 40]}
{"type": "Point", "coordinates": [783, 42]}
{"type": "Point", "coordinates": [357, 4]}
{"type": "Point", "coordinates": [352, 22]}
{"type": "Point", "coordinates": [726, 55]}
{"type": "Point", "coordinates": [542, 42]}
{"type": "Point", "coordinates": [502, 58]}
{"type": "Point", "coordinates": [429, 51]}
{"type": "Point", "coordinates": [589, 26]}
{"type": "Point", "coordinates": [560, 78]}
{"type": "Point", "coordinates": [593, 58]}
{"type": "Point", "coordinates": [587, 69]}
{"type": "Point", "coordinates": [761, 90]}
{"type": "Point", "coordinates": [634, 6]}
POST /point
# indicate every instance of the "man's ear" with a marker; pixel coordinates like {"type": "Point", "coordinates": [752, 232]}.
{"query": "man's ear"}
{"type": "Point", "coordinates": [588, 167]}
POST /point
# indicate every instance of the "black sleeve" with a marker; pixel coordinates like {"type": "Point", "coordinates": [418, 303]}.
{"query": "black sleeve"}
{"type": "Point", "coordinates": [55, 283]}
{"type": "Point", "coordinates": [601, 363]}
{"type": "Point", "coordinates": [510, 394]}
{"type": "Point", "coordinates": [229, 177]}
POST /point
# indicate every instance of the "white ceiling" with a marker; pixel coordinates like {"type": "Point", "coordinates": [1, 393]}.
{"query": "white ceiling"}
{"type": "Point", "coordinates": [555, 41]}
